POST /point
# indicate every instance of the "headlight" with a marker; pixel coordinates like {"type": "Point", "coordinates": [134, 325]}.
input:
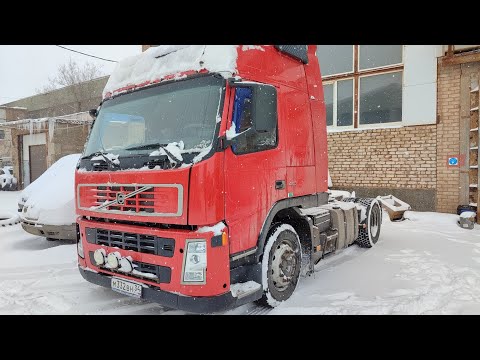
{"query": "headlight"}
{"type": "Point", "coordinates": [195, 262]}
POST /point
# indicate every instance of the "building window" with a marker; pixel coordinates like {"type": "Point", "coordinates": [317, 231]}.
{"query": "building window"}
{"type": "Point", "coordinates": [362, 84]}
{"type": "Point", "coordinates": [375, 56]}
{"type": "Point", "coordinates": [335, 59]}
{"type": "Point", "coordinates": [2, 134]}
{"type": "Point", "coordinates": [380, 98]}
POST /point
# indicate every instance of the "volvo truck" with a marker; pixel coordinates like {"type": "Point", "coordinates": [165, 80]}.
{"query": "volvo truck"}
{"type": "Point", "coordinates": [203, 183]}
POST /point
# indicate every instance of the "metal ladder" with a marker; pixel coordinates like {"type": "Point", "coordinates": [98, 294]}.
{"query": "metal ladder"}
{"type": "Point", "coordinates": [473, 154]}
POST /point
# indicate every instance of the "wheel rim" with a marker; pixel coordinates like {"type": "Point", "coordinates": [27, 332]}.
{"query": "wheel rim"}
{"type": "Point", "coordinates": [374, 221]}
{"type": "Point", "coordinates": [284, 265]}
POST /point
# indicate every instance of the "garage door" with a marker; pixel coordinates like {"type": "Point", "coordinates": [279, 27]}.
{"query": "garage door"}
{"type": "Point", "coordinates": [38, 161]}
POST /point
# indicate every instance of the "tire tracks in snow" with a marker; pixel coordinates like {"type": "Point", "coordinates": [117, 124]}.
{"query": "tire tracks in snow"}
{"type": "Point", "coordinates": [60, 289]}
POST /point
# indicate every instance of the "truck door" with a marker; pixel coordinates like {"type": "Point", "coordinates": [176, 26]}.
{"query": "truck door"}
{"type": "Point", "coordinates": [255, 176]}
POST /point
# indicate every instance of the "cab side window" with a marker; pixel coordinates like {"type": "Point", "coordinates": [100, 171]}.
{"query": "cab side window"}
{"type": "Point", "coordinates": [243, 120]}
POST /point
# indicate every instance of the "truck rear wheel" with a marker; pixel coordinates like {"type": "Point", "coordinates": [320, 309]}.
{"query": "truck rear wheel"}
{"type": "Point", "coordinates": [368, 236]}
{"type": "Point", "coordinates": [280, 265]}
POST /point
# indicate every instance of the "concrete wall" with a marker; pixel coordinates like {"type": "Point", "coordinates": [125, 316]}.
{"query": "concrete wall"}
{"type": "Point", "coordinates": [68, 100]}
{"type": "Point", "coordinates": [67, 139]}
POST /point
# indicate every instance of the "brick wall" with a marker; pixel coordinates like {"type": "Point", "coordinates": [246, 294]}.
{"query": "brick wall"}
{"type": "Point", "coordinates": [6, 142]}
{"type": "Point", "coordinates": [413, 158]}
{"type": "Point", "coordinates": [448, 136]}
{"type": "Point", "coordinates": [384, 158]}
{"type": "Point", "coordinates": [6, 145]}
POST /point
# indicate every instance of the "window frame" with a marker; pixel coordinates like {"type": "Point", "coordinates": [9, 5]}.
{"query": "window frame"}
{"type": "Point", "coordinates": [387, 124]}
{"type": "Point", "coordinates": [379, 67]}
{"type": "Point", "coordinates": [335, 103]}
{"type": "Point", "coordinates": [356, 75]}
{"type": "Point", "coordinates": [345, 73]}
{"type": "Point", "coordinates": [234, 150]}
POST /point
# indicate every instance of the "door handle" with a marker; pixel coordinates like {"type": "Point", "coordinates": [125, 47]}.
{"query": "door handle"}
{"type": "Point", "coordinates": [280, 184]}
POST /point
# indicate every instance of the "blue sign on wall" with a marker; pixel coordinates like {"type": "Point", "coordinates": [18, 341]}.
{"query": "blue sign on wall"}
{"type": "Point", "coordinates": [453, 161]}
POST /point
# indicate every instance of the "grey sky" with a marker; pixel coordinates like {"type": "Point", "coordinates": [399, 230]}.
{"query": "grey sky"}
{"type": "Point", "coordinates": [24, 68]}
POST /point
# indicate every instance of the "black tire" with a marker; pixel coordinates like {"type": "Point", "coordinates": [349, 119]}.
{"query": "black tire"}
{"type": "Point", "coordinates": [9, 219]}
{"type": "Point", "coordinates": [368, 236]}
{"type": "Point", "coordinates": [462, 208]}
{"type": "Point", "coordinates": [282, 243]}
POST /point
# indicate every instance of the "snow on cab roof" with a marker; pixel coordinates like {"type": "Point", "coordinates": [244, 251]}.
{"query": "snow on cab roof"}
{"type": "Point", "coordinates": [163, 61]}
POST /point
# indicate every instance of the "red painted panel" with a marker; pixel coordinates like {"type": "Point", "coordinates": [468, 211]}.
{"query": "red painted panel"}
{"type": "Point", "coordinates": [206, 205]}
{"type": "Point", "coordinates": [301, 180]}
{"type": "Point", "coordinates": [269, 66]}
{"type": "Point", "coordinates": [297, 120]}
{"type": "Point", "coordinates": [318, 118]}
{"type": "Point", "coordinates": [250, 188]}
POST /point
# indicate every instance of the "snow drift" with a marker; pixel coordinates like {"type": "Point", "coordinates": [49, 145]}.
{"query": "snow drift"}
{"type": "Point", "coordinates": [50, 200]}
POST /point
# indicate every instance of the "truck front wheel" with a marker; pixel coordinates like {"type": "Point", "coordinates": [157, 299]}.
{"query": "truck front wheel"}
{"type": "Point", "coordinates": [280, 264]}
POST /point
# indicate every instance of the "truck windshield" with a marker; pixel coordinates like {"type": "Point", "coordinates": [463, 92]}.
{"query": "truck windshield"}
{"type": "Point", "coordinates": [182, 114]}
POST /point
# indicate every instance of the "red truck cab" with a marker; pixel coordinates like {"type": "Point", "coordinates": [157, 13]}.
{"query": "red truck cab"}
{"type": "Point", "coordinates": [203, 184]}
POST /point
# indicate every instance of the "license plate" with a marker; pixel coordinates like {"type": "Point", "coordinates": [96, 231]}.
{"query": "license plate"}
{"type": "Point", "coordinates": [126, 287]}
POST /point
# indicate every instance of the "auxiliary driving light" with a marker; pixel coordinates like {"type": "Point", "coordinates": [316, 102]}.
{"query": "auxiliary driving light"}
{"type": "Point", "coordinates": [99, 256]}
{"type": "Point", "coordinates": [113, 260]}
{"type": "Point", "coordinates": [126, 265]}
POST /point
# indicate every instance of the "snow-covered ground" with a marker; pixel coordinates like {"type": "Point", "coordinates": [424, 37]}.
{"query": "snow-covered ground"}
{"type": "Point", "coordinates": [424, 265]}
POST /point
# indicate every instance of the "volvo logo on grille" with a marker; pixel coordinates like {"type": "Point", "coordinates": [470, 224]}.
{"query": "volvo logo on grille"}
{"type": "Point", "coordinates": [120, 198]}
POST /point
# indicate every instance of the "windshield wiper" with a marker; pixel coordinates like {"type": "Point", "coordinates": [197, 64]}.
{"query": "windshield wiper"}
{"type": "Point", "coordinates": [102, 154]}
{"type": "Point", "coordinates": [150, 146]}
{"type": "Point", "coordinates": [155, 146]}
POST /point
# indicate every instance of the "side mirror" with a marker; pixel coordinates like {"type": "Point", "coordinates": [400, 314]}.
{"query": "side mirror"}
{"type": "Point", "coordinates": [93, 113]}
{"type": "Point", "coordinates": [264, 105]}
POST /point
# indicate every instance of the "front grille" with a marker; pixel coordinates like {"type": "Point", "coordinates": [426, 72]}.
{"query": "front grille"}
{"type": "Point", "coordinates": [146, 244]}
{"type": "Point", "coordinates": [139, 200]}
{"type": "Point", "coordinates": [156, 273]}
{"type": "Point", "coordinates": [142, 202]}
